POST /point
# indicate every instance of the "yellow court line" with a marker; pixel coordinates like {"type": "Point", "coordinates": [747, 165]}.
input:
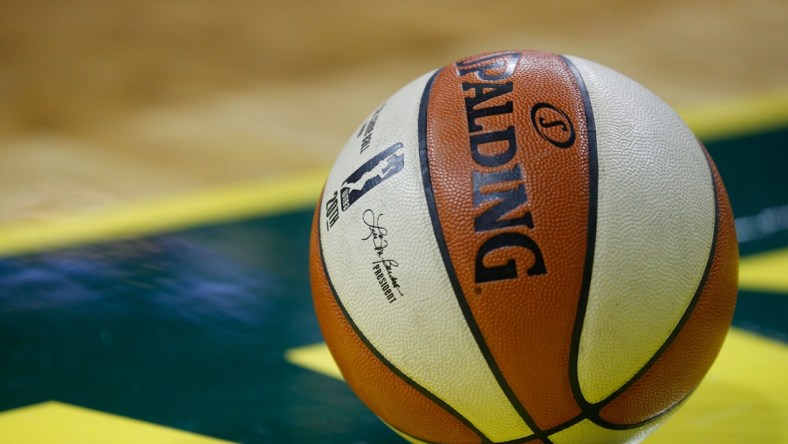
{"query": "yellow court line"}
{"type": "Point", "coordinates": [766, 272]}
{"type": "Point", "coordinates": [165, 215]}
{"type": "Point", "coordinates": [300, 191]}
{"type": "Point", "coordinates": [744, 395]}
{"type": "Point", "coordinates": [739, 116]}
{"type": "Point", "coordinates": [315, 357]}
{"type": "Point", "coordinates": [58, 423]}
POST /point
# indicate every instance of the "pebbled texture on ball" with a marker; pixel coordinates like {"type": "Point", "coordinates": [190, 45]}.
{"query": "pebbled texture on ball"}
{"type": "Point", "coordinates": [654, 230]}
{"type": "Point", "coordinates": [541, 194]}
{"type": "Point", "coordinates": [677, 370]}
{"type": "Point", "coordinates": [523, 247]}
{"type": "Point", "coordinates": [379, 388]}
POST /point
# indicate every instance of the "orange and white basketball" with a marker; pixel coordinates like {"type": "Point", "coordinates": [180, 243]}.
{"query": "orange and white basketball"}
{"type": "Point", "coordinates": [523, 247]}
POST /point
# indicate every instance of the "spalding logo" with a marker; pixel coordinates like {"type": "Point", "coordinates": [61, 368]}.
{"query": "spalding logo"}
{"type": "Point", "coordinates": [501, 181]}
{"type": "Point", "coordinates": [553, 125]}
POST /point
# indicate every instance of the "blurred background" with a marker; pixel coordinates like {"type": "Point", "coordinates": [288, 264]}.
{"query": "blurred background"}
{"type": "Point", "coordinates": [159, 162]}
{"type": "Point", "coordinates": [106, 102]}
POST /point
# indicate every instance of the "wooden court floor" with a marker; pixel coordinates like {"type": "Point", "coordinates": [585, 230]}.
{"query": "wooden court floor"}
{"type": "Point", "coordinates": [104, 103]}
{"type": "Point", "coordinates": [142, 143]}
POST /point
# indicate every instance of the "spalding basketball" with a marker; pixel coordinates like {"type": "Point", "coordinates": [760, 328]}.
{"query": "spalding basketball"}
{"type": "Point", "coordinates": [523, 247]}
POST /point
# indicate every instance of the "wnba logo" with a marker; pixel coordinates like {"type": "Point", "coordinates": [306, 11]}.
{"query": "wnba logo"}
{"type": "Point", "coordinates": [369, 175]}
{"type": "Point", "coordinates": [384, 165]}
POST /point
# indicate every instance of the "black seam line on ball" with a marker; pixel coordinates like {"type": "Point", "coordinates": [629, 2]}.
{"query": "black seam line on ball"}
{"type": "Point", "coordinates": [441, 241]}
{"type": "Point", "coordinates": [431, 396]}
{"type": "Point", "coordinates": [684, 318]}
{"type": "Point", "coordinates": [592, 409]}
{"type": "Point", "coordinates": [614, 426]}
{"type": "Point", "coordinates": [565, 425]}
{"type": "Point", "coordinates": [412, 437]}
{"type": "Point", "coordinates": [540, 437]}
{"type": "Point", "coordinates": [593, 191]}
{"type": "Point", "coordinates": [425, 441]}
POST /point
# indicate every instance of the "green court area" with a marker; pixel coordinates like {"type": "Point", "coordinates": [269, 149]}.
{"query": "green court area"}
{"type": "Point", "coordinates": [202, 330]}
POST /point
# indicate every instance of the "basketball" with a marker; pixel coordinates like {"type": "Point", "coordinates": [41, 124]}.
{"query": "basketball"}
{"type": "Point", "coordinates": [523, 247]}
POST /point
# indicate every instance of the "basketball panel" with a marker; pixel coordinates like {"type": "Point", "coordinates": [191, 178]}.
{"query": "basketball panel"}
{"type": "Point", "coordinates": [386, 268]}
{"type": "Point", "coordinates": [382, 390]}
{"type": "Point", "coordinates": [653, 231]}
{"type": "Point", "coordinates": [507, 146]}
{"type": "Point", "coordinates": [587, 432]}
{"type": "Point", "coordinates": [680, 368]}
